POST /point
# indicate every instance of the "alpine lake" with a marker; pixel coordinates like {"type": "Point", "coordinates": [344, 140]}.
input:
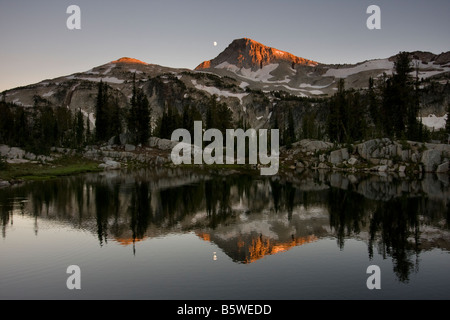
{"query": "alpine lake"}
{"type": "Point", "coordinates": [186, 234]}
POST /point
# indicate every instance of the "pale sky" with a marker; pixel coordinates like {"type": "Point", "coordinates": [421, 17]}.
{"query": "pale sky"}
{"type": "Point", "coordinates": [36, 44]}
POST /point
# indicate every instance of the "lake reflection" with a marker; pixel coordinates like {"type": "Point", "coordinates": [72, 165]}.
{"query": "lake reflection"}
{"type": "Point", "coordinates": [243, 220]}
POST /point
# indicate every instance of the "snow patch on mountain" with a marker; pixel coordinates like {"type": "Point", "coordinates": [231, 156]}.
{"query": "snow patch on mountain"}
{"type": "Point", "coordinates": [90, 116]}
{"type": "Point", "coordinates": [244, 85]}
{"type": "Point", "coordinates": [18, 102]}
{"type": "Point", "coordinates": [48, 94]}
{"type": "Point", "coordinates": [135, 71]}
{"type": "Point", "coordinates": [104, 79]}
{"type": "Point", "coordinates": [299, 92]}
{"type": "Point", "coordinates": [110, 67]}
{"type": "Point", "coordinates": [263, 228]}
{"type": "Point", "coordinates": [91, 71]}
{"type": "Point", "coordinates": [434, 122]}
{"type": "Point", "coordinates": [261, 75]}
{"type": "Point", "coordinates": [306, 85]}
{"type": "Point", "coordinates": [427, 70]}
{"type": "Point", "coordinates": [381, 64]}
{"type": "Point", "coordinates": [427, 74]}
{"type": "Point", "coordinates": [218, 92]}
{"type": "Point", "coordinates": [285, 80]}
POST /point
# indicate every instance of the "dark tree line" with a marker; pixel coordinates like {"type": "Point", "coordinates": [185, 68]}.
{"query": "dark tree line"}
{"type": "Point", "coordinates": [447, 124]}
{"type": "Point", "coordinates": [218, 116]}
{"type": "Point", "coordinates": [40, 128]}
{"type": "Point", "coordinates": [391, 106]}
{"type": "Point", "coordinates": [286, 126]}
{"type": "Point", "coordinates": [139, 115]}
{"type": "Point", "coordinates": [346, 120]}
{"type": "Point", "coordinates": [108, 115]}
{"type": "Point", "coordinates": [111, 118]}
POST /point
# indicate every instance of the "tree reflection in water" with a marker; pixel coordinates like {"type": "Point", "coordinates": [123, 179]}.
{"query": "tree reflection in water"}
{"type": "Point", "coordinates": [247, 217]}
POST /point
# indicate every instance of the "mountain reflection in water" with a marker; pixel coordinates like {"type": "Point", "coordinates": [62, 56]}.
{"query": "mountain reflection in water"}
{"type": "Point", "coordinates": [247, 217]}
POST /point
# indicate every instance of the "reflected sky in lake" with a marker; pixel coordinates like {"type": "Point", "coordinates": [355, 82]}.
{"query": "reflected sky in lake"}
{"type": "Point", "coordinates": [180, 234]}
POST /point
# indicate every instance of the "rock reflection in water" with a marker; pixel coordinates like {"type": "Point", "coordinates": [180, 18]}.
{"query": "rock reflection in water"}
{"type": "Point", "coordinates": [247, 217]}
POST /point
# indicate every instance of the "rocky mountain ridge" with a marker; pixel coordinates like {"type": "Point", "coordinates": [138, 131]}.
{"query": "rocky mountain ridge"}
{"type": "Point", "coordinates": [267, 69]}
{"type": "Point", "coordinates": [249, 77]}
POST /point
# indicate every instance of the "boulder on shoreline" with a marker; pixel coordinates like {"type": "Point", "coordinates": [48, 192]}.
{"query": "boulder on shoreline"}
{"type": "Point", "coordinates": [110, 164]}
{"type": "Point", "coordinates": [4, 184]}
{"type": "Point", "coordinates": [380, 155]}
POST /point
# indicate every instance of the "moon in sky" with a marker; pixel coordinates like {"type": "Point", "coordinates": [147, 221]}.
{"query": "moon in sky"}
{"type": "Point", "coordinates": [215, 44]}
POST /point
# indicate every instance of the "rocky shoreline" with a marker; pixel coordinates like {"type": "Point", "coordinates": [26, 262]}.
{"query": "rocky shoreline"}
{"type": "Point", "coordinates": [372, 156]}
{"type": "Point", "coordinates": [377, 155]}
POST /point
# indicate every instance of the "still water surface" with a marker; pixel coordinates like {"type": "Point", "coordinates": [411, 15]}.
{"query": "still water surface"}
{"type": "Point", "coordinates": [178, 234]}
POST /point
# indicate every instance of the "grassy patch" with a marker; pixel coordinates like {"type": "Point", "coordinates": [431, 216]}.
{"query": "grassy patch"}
{"type": "Point", "coordinates": [65, 166]}
{"type": "Point", "coordinates": [216, 168]}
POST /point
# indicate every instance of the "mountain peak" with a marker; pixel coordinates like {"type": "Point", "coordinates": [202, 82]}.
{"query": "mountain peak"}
{"type": "Point", "coordinates": [128, 60]}
{"type": "Point", "coordinates": [248, 53]}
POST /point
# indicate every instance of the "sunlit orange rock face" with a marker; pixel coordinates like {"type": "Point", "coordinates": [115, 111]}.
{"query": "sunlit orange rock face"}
{"type": "Point", "coordinates": [252, 249]}
{"type": "Point", "coordinates": [128, 60]}
{"type": "Point", "coordinates": [128, 241]}
{"type": "Point", "coordinates": [261, 247]}
{"type": "Point", "coordinates": [247, 53]}
{"type": "Point", "coordinates": [205, 236]}
{"type": "Point", "coordinates": [205, 65]}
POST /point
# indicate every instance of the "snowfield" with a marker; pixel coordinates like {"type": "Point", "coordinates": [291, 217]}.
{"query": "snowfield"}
{"type": "Point", "coordinates": [244, 85]}
{"type": "Point", "coordinates": [382, 64]}
{"type": "Point", "coordinates": [425, 70]}
{"type": "Point", "coordinates": [110, 67]}
{"type": "Point", "coordinates": [90, 116]}
{"type": "Point", "coordinates": [18, 102]}
{"type": "Point", "coordinates": [306, 85]}
{"type": "Point", "coordinates": [434, 122]}
{"type": "Point", "coordinates": [261, 75]}
{"type": "Point", "coordinates": [135, 71]}
{"type": "Point", "coordinates": [428, 70]}
{"type": "Point", "coordinates": [104, 79]}
{"type": "Point", "coordinates": [218, 92]}
{"type": "Point", "coordinates": [48, 94]}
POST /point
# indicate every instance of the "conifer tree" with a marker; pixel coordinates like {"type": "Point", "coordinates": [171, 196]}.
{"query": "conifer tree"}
{"type": "Point", "coordinates": [139, 115]}
{"type": "Point", "coordinates": [373, 104]}
{"type": "Point", "coordinates": [337, 114]}
{"type": "Point", "coordinates": [143, 121]}
{"type": "Point", "coordinates": [6, 124]}
{"type": "Point", "coordinates": [132, 114]}
{"type": "Point", "coordinates": [21, 127]}
{"type": "Point", "coordinates": [88, 131]}
{"type": "Point", "coordinates": [190, 114]}
{"type": "Point", "coordinates": [224, 117]}
{"type": "Point", "coordinates": [211, 113]}
{"type": "Point", "coordinates": [289, 132]}
{"type": "Point", "coordinates": [447, 124]}
{"type": "Point", "coordinates": [170, 121]}
{"type": "Point", "coordinates": [49, 132]}
{"type": "Point", "coordinates": [355, 124]}
{"type": "Point", "coordinates": [79, 128]}
{"type": "Point", "coordinates": [101, 120]}
{"type": "Point", "coordinates": [404, 109]}
{"type": "Point", "coordinates": [114, 118]}
{"type": "Point", "coordinates": [218, 115]}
